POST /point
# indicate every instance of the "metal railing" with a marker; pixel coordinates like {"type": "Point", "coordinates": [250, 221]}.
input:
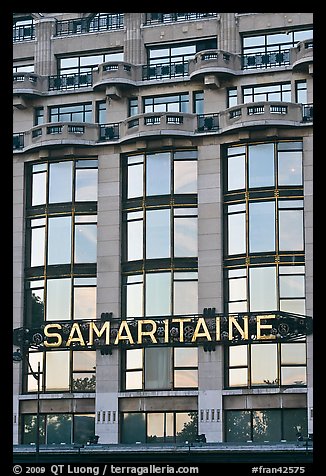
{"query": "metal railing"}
{"type": "Point", "coordinates": [102, 22]}
{"type": "Point", "coordinates": [265, 60]}
{"type": "Point", "coordinates": [23, 32]}
{"type": "Point", "coordinates": [207, 122]}
{"type": "Point", "coordinates": [166, 70]}
{"type": "Point", "coordinates": [307, 112]}
{"type": "Point", "coordinates": [109, 132]}
{"type": "Point", "coordinates": [18, 141]}
{"type": "Point", "coordinates": [153, 18]}
{"type": "Point", "coordinates": [70, 81]}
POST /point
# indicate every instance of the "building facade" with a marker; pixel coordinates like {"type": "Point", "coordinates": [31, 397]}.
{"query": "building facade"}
{"type": "Point", "coordinates": [162, 165]}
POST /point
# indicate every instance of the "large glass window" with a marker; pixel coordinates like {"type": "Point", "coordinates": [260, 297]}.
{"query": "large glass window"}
{"type": "Point", "coordinates": [271, 425]}
{"type": "Point", "coordinates": [171, 103]}
{"type": "Point", "coordinates": [155, 368]}
{"type": "Point", "coordinates": [271, 92]}
{"type": "Point", "coordinates": [159, 427]}
{"type": "Point", "coordinates": [71, 113]}
{"type": "Point", "coordinates": [86, 63]}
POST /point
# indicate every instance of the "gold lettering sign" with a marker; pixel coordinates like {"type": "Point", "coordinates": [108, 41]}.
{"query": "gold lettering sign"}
{"type": "Point", "coordinates": [264, 326]}
{"type": "Point", "coordinates": [53, 334]}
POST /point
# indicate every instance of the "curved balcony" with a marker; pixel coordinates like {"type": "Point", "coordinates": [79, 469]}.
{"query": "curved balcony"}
{"type": "Point", "coordinates": [158, 124]}
{"type": "Point", "coordinates": [116, 73]}
{"type": "Point", "coordinates": [261, 114]}
{"type": "Point", "coordinates": [302, 56]}
{"type": "Point", "coordinates": [214, 62]}
{"type": "Point", "coordinates": [61, 133]}
{"type": "Point", "coordinates": [26, 85]}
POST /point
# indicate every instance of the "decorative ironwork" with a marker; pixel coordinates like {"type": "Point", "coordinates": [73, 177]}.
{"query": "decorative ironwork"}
{"type": "Point", "coordinates": [207, 329]}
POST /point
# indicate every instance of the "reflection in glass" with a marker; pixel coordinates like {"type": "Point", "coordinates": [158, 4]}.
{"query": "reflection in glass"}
{"type": "Point", "coordinates": [262, 285]}
{"type": "Point", "coordinates": [134, 359]}
{"type": "Point", "coordinates": [238, 355]}
{"type": "Point", "coordinates": [238, 377]}
{"type": "Point", "coordinates": [84, 360]}
{"type": "Point", "coordinates": [294, 420]}
{"type": "Point", "coordinates": [133, 426]}
{"type": "Point", "coordinates": [261, 165]}
{"type": "Point", "coordinates": [59, 231]}
{"type": "Point", "coordinates": [86, 185]}
{"type": "Point", "coordinates": [85, 302]}
{"type": "Point", "coordinates": [83, 382]}
{"type": "Point", "coordinates": [57, 371]}
{"type": "Point", "coordinates": [59, 428]}
{"type": "Point", "coordinates": [238, 289]}
{"type": "Point", "coordinates": [84, 428]}
{"type": "Point", "coordinates": [292, 286]}
{"type": "Point", "coordinates": [134, 298]}
{"type": "Point", "coordinates": [236, 172]}
{"type": "Point", "coordinates": [293, 376]}
{"type": "Point", "coordinates": [157, 368]}
{"type": "Point", "coordinates": [158, 233]}
{"type": "Point", "coordinates": [185, 176]}
{"type": "Point", "coordinates": [60, 182]}
{"type": "Point", "coordinates": [39, 189]}
{"type": "Point", "coordinates": [291, 230]}
{"type": "Point", "coordinates": [158, 294]}
{"type": "Point", "coordinates": [185, 297]}
{"type": "Point", "coordinates": [185, 357]}
{"type": "Point", "coordinates": [134, 380]}
{"type": "Point", "coordinates": [261, 226]}
{"type": "Point", "coordinates": [238, 425]}
{"type": "Point", "coordinates": [294, 353]}
{"type": "Point", "coordinates": [135, 240]}
{"type": "Point", "coordinates": [264, 364]}
{"type": "Point", "coordinates": [236, 233]}
{"type": "Point", "coordinates": [186, 426]}
{"type": "Point", "coordinates": [266, 425]}
{"type": "Point", "coordinates": [297, 306]}
{"type": "Point", "coordinates": [155, 427]}
{"type": "Point", "coordinates": [30, 428]}
{"type": "Point", "coordinates": [158, 174]}
{"type": "Point", "coordinates": [290, 168]}
{"type": "Point", "coordinates": [37, 246]}
{"type": "Point", "coordinates": [135, 181]}
{"type": "Point", "coordinates": [85, 243]}
{"type": "Point", "coordinates": [58, 299]}
{"type": "Point", "coordinates": [185, 236]}
{"type": "Point", "coordinates": [186, 378]}
{"type": "Point", "coordinates": [34, 359]}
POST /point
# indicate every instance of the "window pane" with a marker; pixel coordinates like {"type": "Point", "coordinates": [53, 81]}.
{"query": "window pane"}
{"type": "Point", "coordinates": [37, 246]}
{"type": "Point", "coordinates": [86, 185]}
{"type": "Point", "coordinates": [264, 364]}
{"type": "Point", "coordinates": [158, 174]}
{"type": "Point", "coordinates": [134, 380]}
{"type": "Point", "coordinates": [135, 181]}
{"type": "Point", "coordinates": [291, 230]}
{"type": "Point", "coordinates": [57, 380]}
{"type": "Point", "coordinates": [158, 233]}
{"type": "Point", "coordinates": [186, 378]}
{"type": "Point", "coordinates": [186, 426]}
{"type": "Point", "coordinates": [185, 176]}
{"type": "Point", "coordinates": [84, 303]}
{"type": "Point", "coordinates": [292, 286]}
{"type": "Point", "coordinates": [58, 428]}
{"type": "Point", "coordinates": [39, 189]}
{"type": "Point", "coordinates": [293, 376]}
{"type": "Point", "coordinates": [236, 234]}
{"type": "Point", "coordinates": [158, 294]}
{"type": "Point", "coordinates": [290, 168]}
{"type": "Point", "coordinates": [84, 360]}
{"type": "Point", "coordinates": [135, 240]}
{"type": "Point", "coordinates": [84, 428]}
{"type": "Point", "coordinates": [85, 243]}
{"type": "Point", "coordinates": [262, 284]}
{"type": "Point", "coordinates": [261, 226]}
{"type": "Point", "coordinates": [297, 306]}
{"type": "Point", "coordinates": [30, 428]}
{"type": "Point", "coordinates": [261, 165]}
{"type": "Point", "coordinates": [59, 232]}
{"type": "Point", "coordinates": [60, 182]}
{"type": "Point", "coordinates": [185, 237]}
{"type": "Point", "coordinates": [238, 377]}
{"type": "Point", "coordinates": [238, 355]}
{"type": "Point", "coordinates": [238, 289]}
{"type": "Point", "coordinates": [266, 425]}
{"type": "Point", "coordinates": [157, 368]}
{"type": "Point", "coordinates": [134, 359]}
{"type": "Point", "coordinates": [294, 421]}
{"type": "Point", "coordinates": [238, 426]}
{"type": "Point", "coordinates": [58, 299]}
{"type": "Point", "coordinates": [134, 307]}
{"type": "Point", "coordinates": [236, 172]}
{"type": "Point", "coordinates": [294, 353]}
{"type": "Point", "coordinates": [83, 382]}
{"type": "Point", "coordinates": [133, 428]}
{"type": "Point", "coordinates": [155, 427]}
{"type": "Point", "coordinates": [185, 357]}
{"type": "Point", "coordinates": [185, 297]}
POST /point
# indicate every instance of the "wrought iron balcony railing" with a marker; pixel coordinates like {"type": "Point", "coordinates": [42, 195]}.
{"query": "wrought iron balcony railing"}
{"type": "Point", "coordinates": [166, 70]}
{"type": "Point", "coordinates": [18, 141]}
{"type": "Point", "coordinates": [154, 18]}
{"type": "Point", "coordinates": [266, 60]}
{"type": "Point", "coordinates": [70, 81]}
{"type": "Point", "coordinates": [101, 22]}
{"type": "Point", "coordinates": [207, 122]}
{"type": "Point", "coordinates": [307, 112]}
{"type": "Point", "coordinates": [23, 32]}
{"type": "Point", "coordinates": [109, 132]}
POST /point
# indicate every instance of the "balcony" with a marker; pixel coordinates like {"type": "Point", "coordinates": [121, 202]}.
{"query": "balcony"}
{"type": "Point", "coordinates": [100, 22]}
{"type": "Point", "coordinates": [158, 18]}
{"type": "Point", "coordinates": [265, 60]}
{"type": "Point", "coordinates": [66, 82]}
{"type": "Point", "coordinates": [158, 124]}
{"type": "Point", "coordinates": [302, 56]}
{"type": "Point", "coordinates": [177, 69]}
{"type": "Point", "coordinates": [214, 62]}
{"type": "Point", "coordinates": [27, 85]}
{"type": "Point", "coordinates": [117, 73]}
{"type": "Point", "coordinates": [262, 114]}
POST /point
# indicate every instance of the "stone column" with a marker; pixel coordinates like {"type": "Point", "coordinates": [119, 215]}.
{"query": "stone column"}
{"type": "Point", "coordinates": [45, 62]}
{"type": "Point", "coordinates": [135, 51]}
{"type": "Point", "coordinates": [229, 38]}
